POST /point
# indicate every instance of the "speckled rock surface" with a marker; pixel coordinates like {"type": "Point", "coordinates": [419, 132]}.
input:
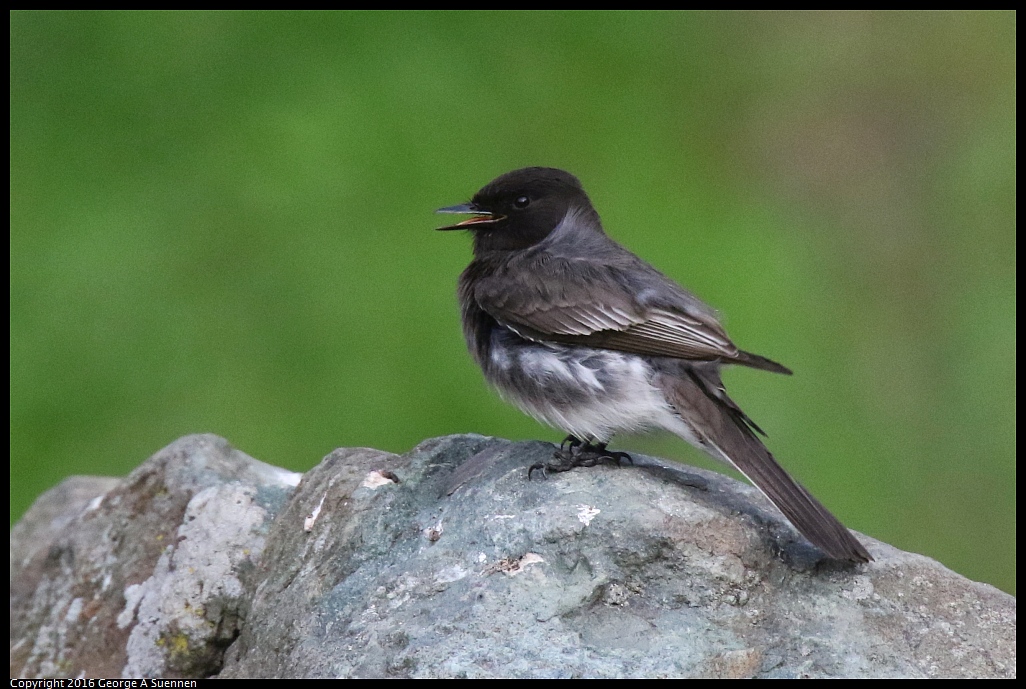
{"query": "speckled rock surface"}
{"type": "Point", "coordinates": [142, 576]}
{"type": "Point", "coordinates": [447, 562]}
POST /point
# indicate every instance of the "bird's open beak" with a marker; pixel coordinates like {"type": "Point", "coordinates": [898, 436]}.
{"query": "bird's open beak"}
{"type": "Point", "coordinates": [480, 216]}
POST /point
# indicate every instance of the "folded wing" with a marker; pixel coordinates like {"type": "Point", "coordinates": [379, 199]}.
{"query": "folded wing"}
{"type": "Point", "coordinates": [632, 309]}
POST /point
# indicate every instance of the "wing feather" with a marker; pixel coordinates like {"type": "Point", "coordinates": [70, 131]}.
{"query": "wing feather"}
{"type": "Point", "coordinates": [579, 301]}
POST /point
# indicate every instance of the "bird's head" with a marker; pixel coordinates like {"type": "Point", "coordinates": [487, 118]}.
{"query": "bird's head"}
{"type": "Point", "coordinates": [521, 208]}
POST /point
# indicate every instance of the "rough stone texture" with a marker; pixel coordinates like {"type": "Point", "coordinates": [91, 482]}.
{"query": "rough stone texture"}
{"type": "Point", "coordinates": [142, 576]}
{"type": "Point", "coordinates": [447, 562]}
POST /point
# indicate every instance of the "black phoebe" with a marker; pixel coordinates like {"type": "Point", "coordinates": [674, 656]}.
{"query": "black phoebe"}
{"type": "Point", "coordinates": [584, 336]}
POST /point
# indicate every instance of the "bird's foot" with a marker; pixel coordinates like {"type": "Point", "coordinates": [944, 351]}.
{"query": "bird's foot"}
{"type": "Point", "coordinates": [617, 457]}
{"type": "Point", "coordinates": [573, 453]}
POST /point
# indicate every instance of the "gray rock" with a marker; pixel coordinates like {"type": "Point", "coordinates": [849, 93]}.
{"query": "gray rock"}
{"type": "Point", "coordinates": [448, 562]}
{"type": "Point", "coordinates": [144, 576]}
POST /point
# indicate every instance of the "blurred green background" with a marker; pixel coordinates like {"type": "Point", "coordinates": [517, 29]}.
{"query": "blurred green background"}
{"type": "Point", "coordinates": [223, 222]}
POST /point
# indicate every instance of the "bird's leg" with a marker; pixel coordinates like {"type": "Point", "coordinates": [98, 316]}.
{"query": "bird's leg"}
{"type": "Point", "coordinates": [570, 442]}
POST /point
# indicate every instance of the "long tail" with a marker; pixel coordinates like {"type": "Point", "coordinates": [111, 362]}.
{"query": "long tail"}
{"type": "Point", "coordinates": [723, 431]}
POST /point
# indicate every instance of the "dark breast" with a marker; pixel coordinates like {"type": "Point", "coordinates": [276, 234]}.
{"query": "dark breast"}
{"type": "Point", "coordinates": [477, 324]}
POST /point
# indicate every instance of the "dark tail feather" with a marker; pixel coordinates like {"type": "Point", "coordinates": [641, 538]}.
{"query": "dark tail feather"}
{"type": "Point", "coordinates": [760, 362]}
{"type": "Point", "coordinates": [807, 514]}
{"type": "Point", "coordinates": [725, 435]}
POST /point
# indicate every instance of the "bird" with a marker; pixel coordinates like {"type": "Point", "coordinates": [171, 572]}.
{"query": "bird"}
{"type": "Point", "coordinates": [586, 337]}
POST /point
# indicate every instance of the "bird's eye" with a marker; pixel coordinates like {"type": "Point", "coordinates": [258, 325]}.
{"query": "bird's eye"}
{"type": "Point", "coordinates": [521, 202]}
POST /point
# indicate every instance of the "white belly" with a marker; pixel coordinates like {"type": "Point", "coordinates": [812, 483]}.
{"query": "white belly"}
{"type": "Point", "coordinates": [590, 394]}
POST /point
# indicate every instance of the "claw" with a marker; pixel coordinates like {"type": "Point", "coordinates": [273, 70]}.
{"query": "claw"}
{"type": "Point", "coordinates": [613, 454]}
